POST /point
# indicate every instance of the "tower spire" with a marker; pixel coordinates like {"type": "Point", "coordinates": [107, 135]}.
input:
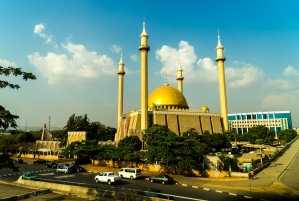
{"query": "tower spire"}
{"type": "Point", "coordinates": [121, 74]}
{"type": "Point", "coordinates": [143, 49]}
{"type": "Point", "coordinates": [180, 77]}
{"type": "Point", "coordinates": [222, 84]}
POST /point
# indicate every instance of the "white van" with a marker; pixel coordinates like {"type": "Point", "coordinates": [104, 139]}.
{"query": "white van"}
{"type": "Point", "coordinates": [131, 173]}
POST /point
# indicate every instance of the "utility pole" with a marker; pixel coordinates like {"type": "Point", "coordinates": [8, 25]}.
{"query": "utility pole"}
{"type": "Point", "coordinates": [26, 125]}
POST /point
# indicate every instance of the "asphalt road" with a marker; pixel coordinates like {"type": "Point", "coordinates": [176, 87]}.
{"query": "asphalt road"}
{"type": "Point", "coordinates": [290, 175]}
{"type": "Point", "coordinates": [180, 193]}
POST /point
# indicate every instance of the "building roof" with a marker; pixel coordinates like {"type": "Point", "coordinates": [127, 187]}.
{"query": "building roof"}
{"type": "Point", "coordinates": [167, 96]}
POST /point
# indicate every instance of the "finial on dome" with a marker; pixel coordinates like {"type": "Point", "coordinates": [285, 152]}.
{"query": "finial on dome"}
{"type": "Point", "coordinates": [165, 79]}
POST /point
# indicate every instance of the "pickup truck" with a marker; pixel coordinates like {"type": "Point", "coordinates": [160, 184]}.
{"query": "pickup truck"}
{"type": "Point", "coordinates": [107, 177]}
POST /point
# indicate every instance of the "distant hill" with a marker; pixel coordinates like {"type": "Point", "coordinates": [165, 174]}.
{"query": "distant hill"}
{"type": "Point", "coordinates": [37, 128]}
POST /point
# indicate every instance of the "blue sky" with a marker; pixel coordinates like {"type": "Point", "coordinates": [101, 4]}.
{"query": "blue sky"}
{"type": "Point", "coordinates": [73, 47]}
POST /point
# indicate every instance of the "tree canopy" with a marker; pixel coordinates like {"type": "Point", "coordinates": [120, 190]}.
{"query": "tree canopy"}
{"type": "Point", "coordinates": [287, 135]}
{"type": "Point", "coordinates": [7, 119]}
{"type": "Point", "coordinates": [260, 135]}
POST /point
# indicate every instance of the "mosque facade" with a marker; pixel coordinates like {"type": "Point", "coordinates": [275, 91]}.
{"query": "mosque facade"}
{"type": "Point", "coordinates": [167, 105]}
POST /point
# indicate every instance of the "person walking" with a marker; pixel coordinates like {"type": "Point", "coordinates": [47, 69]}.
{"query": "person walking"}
{"type": "Point", "coordinates": [252, 174]}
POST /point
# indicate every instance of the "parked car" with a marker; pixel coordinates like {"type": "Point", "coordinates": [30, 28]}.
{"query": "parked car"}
{"type": "Point", "coordinates": [81, 161]}
{"type": "Point", "coordinates": [64, 168]}
{"type": "Point", "coordinates": [162, 178]}
{"type": "Point", "coordinates": [51, 164]}
{"type": "Point", "coordinates": [28, 176]}
{"type": "Point", "coordinates": [39, 161]}
{"type": "Point", "coordinates": [18, 160]}
{"type": "Point", "coordinates": [153, 192]}
{"type": "Point", "coordinates": [107, 177]}
{"type": "Point", "coordinates": [77, 168]}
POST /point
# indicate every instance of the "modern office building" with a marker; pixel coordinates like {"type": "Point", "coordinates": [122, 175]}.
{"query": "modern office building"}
{"type": "Point", "coordinates": [275, 120]}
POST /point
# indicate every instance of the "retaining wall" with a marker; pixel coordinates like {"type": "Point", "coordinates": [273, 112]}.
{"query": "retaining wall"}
{"type": "Point", "coordinates": [86, 192]}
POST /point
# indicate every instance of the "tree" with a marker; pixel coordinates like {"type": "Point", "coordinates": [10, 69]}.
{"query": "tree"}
{"type": "Point", "coordinates": [130, 147]}
{"type": "Point", "coordinates": [7, 119]}
{"type": "Point", "coordinates": [227, 163]}
{"type": "Point", "coordinates": [260, 134]}
{"type": "Point", "coordinates": [287, 135]}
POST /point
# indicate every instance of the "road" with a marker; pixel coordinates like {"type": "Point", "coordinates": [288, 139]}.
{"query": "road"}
{"type": "Point", "coordinates": [180, 193]}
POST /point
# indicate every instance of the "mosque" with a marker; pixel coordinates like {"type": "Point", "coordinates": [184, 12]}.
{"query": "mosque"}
{"type": "Point", "coordinates": [167, 105]}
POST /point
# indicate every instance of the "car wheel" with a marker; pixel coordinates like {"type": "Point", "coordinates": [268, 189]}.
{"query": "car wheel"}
{"type": "Point", "coordinates": [152, 181]}
{"type": "Point", "coordinates": [121, 176]}
{"type": "Point", "coordinates": [57, 171]}
{"type": "Point", "coordinates": [97, 180]}
{"type": "Point", "coordinates": [163, 182]}
{"type": "Point", "coordinates": [109, 182]}
{"type": "Point", "coordinates": [131, 177]}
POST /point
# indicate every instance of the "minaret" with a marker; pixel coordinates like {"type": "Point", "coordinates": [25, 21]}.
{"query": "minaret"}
{"type": "Point", "coordinates": [144, 48]}
{"type": "Point", "coordinates": [222, 86]}
{"type": "Point", "coordinates": [121, 74]}
{"type": "Point", "coordinates": [180, 78]}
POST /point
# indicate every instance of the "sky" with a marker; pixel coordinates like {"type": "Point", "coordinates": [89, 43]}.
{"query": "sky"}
{"type": "Point", "coordinates": [74, 46]}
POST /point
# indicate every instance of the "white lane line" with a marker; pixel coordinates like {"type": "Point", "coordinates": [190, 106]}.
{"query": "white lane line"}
{"type": "Point", "coordinates": [248, 197]}
{"type": "Point", "coordinates": [218, 191]}
{"type": "Point", "coordinates": [233, 194]}
{"type": "Point", "coordinates": [50, 173]}
{"type": "Point", "coordinates": [65, 176]}
{"type": "Point", "coordinates": [194, 186]}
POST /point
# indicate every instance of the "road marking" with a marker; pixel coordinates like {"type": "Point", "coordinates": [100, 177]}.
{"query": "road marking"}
{"type": "Point", "coordinates": [194, 186]}
{"type": "Point", "coordinates": [233, 194]}
{"type": "Point", "coordinates": [206, 189]}
{"type": "Point", "coordinates": [65, 176]}
{"type": "Point", "coordinates": [50, 173]}
{"type": "Point", "coordinates": [5, 175]}
{"type": "Point", "coordinates": [218, 191]}
{"type": "Point", "coordinates": [184, 185]}
{"type": "Point", "coordinates": [248, 197]}
{"type": "Point", "coordinates": [9, 174]}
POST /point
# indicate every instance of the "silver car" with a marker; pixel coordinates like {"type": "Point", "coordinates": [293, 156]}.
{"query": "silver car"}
{"type": "Point", "coordinates": [64, 168]}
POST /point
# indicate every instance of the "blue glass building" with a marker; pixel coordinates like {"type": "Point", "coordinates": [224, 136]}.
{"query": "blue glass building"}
{"type": "Point", "coordinates": [276, 121]}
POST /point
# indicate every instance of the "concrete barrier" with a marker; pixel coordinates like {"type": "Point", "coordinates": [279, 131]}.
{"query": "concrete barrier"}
{"type": "Point", "coordinates": [86, 192]}
{"type": "Point", "coordinates": [26, 195]}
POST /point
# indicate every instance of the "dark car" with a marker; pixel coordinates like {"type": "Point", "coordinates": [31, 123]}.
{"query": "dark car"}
{"type": "Point", "coordinates": [77, 168]}
{"type": "Point", "coordinates": [81, 161]}
{"type": "Point", "coordinates": [18, 160]}
{"type": "Point", "coordinates": [39, 161]}
{"type": "Point", "coordinates": [51, 165]}
{"type": "Point", "coordinates": [153, 192]}
{"type": "Point", "coordinates": [162, 178]}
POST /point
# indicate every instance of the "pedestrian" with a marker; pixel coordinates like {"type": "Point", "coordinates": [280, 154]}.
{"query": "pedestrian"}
{"type": "Point", "coordinates": [252, 174]}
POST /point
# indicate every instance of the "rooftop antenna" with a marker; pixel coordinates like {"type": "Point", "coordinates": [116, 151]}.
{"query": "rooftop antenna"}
{"type": "Point", "coordinates": [49, 122]}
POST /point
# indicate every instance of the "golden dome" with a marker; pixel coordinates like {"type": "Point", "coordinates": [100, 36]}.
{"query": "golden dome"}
{"type": "Point", "coordinates": [204, 108]}
{"type": "Point", "coordinates": [152, 105]}
{"type": "Point", "coordinates": [167, 96]}
{"type": "Point", "coordinates": [133, 110]}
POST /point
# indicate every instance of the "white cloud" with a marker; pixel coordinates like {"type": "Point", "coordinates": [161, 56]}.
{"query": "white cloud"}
{"type": "Point", "coordinates": [169, 57]}
{"type": "Point", "coordinates": [281, 84]}
{"type": "Point", "coordinates": [247, 75]}
{"type": "Point", "coordinates": [276, 102]}
{"type": "Point", "coordinates": [206, 69]}
{"type": "Point", "coordinates": [39, 30]}
{"type": "Point", "coordinates": [134, 57]}
{"type": "Point", "coordinates": [290, 72]}
{"type": "Point", "coordinates": [79, 67]}
{"type": "Point", "coordinates": [4, 63]}
{"type": "Point", "coordinates": [115, 48]}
